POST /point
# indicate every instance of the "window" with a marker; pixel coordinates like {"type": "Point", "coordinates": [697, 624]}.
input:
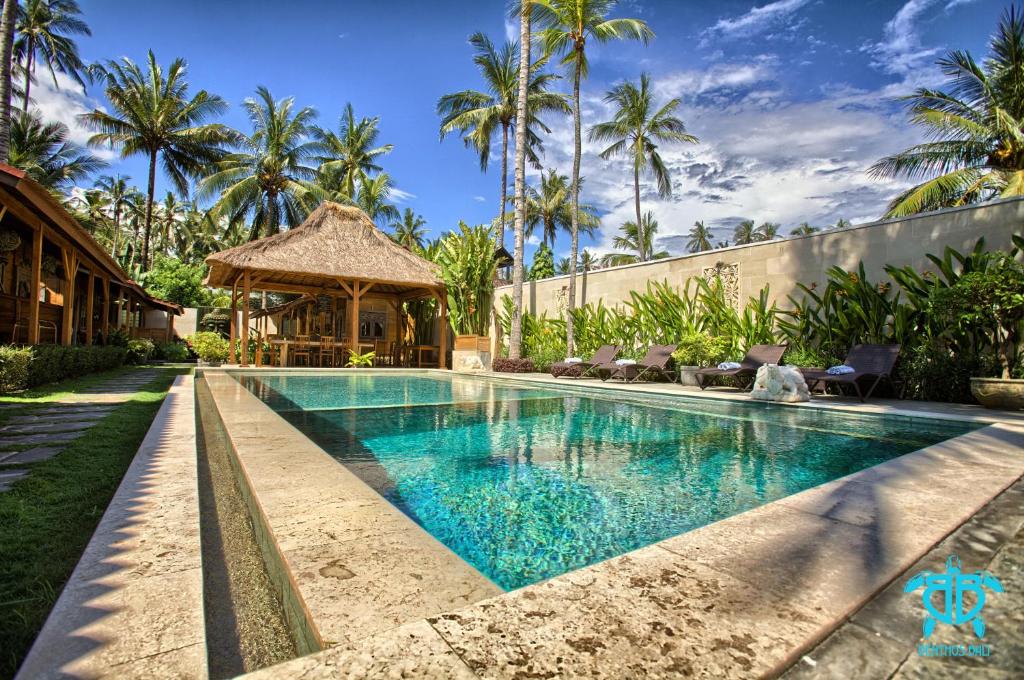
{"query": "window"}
{"type": "Point", "coordinates": [373, 325]}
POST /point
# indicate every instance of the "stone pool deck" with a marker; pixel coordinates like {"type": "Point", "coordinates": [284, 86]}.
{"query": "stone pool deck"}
{"type": "Point", "coordinates": [747, 596]}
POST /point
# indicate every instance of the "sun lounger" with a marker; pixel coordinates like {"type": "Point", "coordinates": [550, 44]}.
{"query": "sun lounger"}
{"type": "Point", "coordinates": [605, 355]}
{"type": "Point", "coordinates": [871, 365]}
{"type": "Point", "coordinates": [758, 356]}
{"type": "Point", "coordinates": [654, 364]}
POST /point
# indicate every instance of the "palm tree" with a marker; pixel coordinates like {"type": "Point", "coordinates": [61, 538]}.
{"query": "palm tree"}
{"type": "Point", "coordinates": [700, 238]}
{"type": "Point", "coordinates": [115, 189]}
{"type": "Point", "coordinates": [515, 340]}
{"type": "Point", "coordinates": [44, 31]}
{"type": "Point", "coordinates": [744, 233]}
{"type": "Point", "coordinates": [7, 21]}
{"type": "Point", "coordinates": [638, 242]}
{"type": "Point", "coordinates": [842, 224]}
{"type": "Point", "coordinates": [352, 154]}
{"type": "Point", "coordinates": [566, 27]}
{"type": "Point", "coordinates": [634, 131]}
{"type": "Point", "coordinates": [172, 215]}
{"type": "Point", "coordinates": [766, 231]}
{"type": "Point", "coordinates": [409, 230]}
{"type": "Point", "coordinates": [588, 261]}
{"type": "Point", "coordinates": [372, 198]}
{"type": "Point", "coordinates": [43, 151]}
{"type": "Point", "coordinates": [549, 209]}
{"type": "Point", "coordinates": [268, 178]}
{"type": "Point", "coordinates": [722, 244]}
{"type": "Point", "coordinates": [478, 116]}
{"type": "Point", "coordinates": [154, 116]}
{"type": "Point", "coordinates": [976, 150]}
{"type": "Point", "coordinates": [804, 229]}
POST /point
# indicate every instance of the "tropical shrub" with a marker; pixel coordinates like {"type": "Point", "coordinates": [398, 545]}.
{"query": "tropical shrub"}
{"type": "Point", "coordinates": [14, 363]}
{"type": "Point", "coordinates": [357, 360]}
{"type": "Point", "coordinates": [701, 349]}
{"type": "Point", "coordinates": [52, 363]}
{"type": "Point", "coordinates": [808, 357]}
{"type": "Point", "coordinates": [208, 346]}
{"type": "Point", "coordinates": [118, 338]}
{"type": "Point", "coordinates": [502, 365]}
{"type": "Point", "coordinates": [172, 280]}
{"type": "Point", "coordinates": [931, 372]}
{"type": "Point", "coordinates": [176, 352]}
{"type": "Point", "coordinates": [140, 350]}
{"type": "Point", "coordinates": [468, 266]}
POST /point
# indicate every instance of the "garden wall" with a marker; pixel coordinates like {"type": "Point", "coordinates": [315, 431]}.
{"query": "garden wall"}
{"type": "Point", "coordinates": [783, 264]}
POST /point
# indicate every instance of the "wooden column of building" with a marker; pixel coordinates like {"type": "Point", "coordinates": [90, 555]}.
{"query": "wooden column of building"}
{"type": "Point", "coordinates": [442, 359]}
{"type": "Point", "coordinates": [170, 326]}
{"type": "Point", "coordinates": [232, 323]}
{"type": "Point", "coordinates": [105, 326]}
{"type": "Point", "coordinates": [33, 286]}
{"type": "Point", "coordinates": [129, 317]}
{"type": "Point", "coordinates": [244, 334]}
{"type": "Point", "coordinates": [120, 308]}
{"type": "Point", "coordinates": [89, 301]}
{"type": "Point", "coordinates": [353, 322]}
{"type": "Point", "coordinates": [70, 272]}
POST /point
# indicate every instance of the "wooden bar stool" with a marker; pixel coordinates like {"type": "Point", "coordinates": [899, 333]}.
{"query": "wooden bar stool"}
{"type": "Point", "coordinates": [326, 354]}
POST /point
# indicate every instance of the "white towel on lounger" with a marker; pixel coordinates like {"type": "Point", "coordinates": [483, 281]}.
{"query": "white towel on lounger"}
{"type": "Point", "coordinates": [842, 369]}
{"type": "Point", "coordinates": [729, 365]}
{"type": "Point", "coordinates": [573, 360]}
{"type": "Point", "coordinates": [625, 362]}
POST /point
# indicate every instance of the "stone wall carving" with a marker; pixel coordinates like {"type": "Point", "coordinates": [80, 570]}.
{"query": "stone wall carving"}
{"type": "Point", "coordinates": [730, 276]}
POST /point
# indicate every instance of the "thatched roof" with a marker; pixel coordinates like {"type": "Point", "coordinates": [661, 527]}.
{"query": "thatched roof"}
{"type": "Point", "coordinates": [335, 242]}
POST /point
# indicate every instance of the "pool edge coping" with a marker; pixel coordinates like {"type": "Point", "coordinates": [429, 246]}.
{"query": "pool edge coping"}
{"type": "Point", "coordinates": [383, 647]}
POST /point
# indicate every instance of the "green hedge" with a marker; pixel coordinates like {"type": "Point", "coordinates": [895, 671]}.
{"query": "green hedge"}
{"type": "Point", "coordinates": [22, 367]}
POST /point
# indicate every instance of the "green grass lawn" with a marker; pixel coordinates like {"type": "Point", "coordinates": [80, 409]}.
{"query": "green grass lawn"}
{"type": "Point", "coordinates": [47, 518]}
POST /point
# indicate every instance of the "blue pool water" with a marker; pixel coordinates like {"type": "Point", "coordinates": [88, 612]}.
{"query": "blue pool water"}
{"type": "Point", "coordinates": [526, 483]}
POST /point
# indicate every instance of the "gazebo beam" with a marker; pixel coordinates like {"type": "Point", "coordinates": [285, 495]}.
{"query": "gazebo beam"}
{"type": "Point", "coordinates": [244, 334]}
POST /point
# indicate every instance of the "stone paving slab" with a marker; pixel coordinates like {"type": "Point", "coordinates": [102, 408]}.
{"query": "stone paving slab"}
{"type": "Point", "coordinates": [134, 605]}
{"type": "Point", "coordinates": [64, 416]}
{"type": "Point", "coordinates": [33, 455]}
{"type": "Point", "coordinates": [9, 477]}
{"type": "Point", "coordinates": [45, 438]}
{"type": "Point", "coordinates": [44, 428]}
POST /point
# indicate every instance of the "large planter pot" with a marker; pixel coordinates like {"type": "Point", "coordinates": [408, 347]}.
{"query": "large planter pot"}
{"type": "Point", "coordinates": [1001, 393]}
{"type": "Point", "coordinates": [688, 375]}
{"type": "Point", "coordinates": [471, 353]}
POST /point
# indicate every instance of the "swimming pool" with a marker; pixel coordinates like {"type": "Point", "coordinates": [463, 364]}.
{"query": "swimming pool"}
{"type": "Point", "coordinates": [528, 482]}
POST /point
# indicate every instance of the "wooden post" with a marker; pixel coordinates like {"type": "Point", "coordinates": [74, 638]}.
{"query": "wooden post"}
{"type": "Point", "coordinates": [233, 358]}
{"type": "Point", "coordinates": [129, 316]}
{"type": "Point", "coordinates": [70, 271]}
{"type": "Point", "coordinates": [33, 286]}
{"type": "Point", "coordinates": [244, 334]}
{"type": "Point", "coordinates": [442, 361]}
{"type": "Point", "coordinates": [120, 308]}
{"type": "Point", "coordinates": [170, 326]}
{"type": "Point", "coordinates": [89, 301]}
{"type": "Point", "coordinates": [105, 327]}
{"type": "Point", "coordinates": [353, 322]}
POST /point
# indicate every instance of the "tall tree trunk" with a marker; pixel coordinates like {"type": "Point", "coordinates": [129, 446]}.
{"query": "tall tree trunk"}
{"type": "Point", "coordinates": [117, 230]}
{"type": "Point", "coordinates": [504, 183]}
{"type": "Point", "coordinates": [29, 54]}
{"type": "Point", "coordinates": [147, 227]}
{"type": "Point", "coordinates": [7, 20]}
{"type": "Point", "coordinates": [640, 236]}
{"type": "Point", "coordinates": [516, 335]}
{"type": "Point", "coordinates": [577, 151]}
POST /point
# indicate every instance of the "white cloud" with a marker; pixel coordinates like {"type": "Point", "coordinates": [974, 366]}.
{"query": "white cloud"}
{"type": "Point", "coordinates": [65, 104]}
{"type": "Point", "coordinates": [481, 199]}
{"type": "Point", "coordinates": [956, 3]}
{"type": "Point", "coordinates": [900, 51]}
{"type": "Point", "coordinates": [401, 196]}
{"type": "Point", "coordinates": [757, 20]}
{"type": "Point", "coordinates": [533, 239]}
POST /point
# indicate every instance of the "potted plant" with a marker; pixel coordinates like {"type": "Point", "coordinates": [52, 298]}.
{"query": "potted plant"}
{"type": "Point", "coordinates": [696, 351]}
{"type": "Point", "coordinates": [986, 306]}
{"type": "Point", "coordinates": [468, 266]}
{"type": "Point", "coordinates": [211, 348]}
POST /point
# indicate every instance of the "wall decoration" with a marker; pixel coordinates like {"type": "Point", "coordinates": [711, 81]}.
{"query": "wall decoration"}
{"type": "Point", "coordinates": [9, 240]}
{"type": "Point", "coordinates": [729, 274]}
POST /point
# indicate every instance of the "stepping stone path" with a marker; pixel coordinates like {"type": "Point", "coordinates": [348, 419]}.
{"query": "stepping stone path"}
{"type": "Point", "coordinates": [41, 432]}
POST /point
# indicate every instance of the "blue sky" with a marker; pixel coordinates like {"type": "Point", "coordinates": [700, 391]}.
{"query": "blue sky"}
{"type": "Point", "coordinates": [791, 99]}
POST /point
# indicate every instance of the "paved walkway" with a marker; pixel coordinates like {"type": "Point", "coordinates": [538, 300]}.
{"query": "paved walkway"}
{"type": "Point", "coordinates": [38, 432]}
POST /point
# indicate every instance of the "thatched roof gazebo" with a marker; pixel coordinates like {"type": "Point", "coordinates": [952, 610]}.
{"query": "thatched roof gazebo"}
{"type": "Point", "coordinates": [337, 251]}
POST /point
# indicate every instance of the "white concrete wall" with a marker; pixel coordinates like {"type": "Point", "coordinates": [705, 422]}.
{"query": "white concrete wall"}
{"type": "Point", "coordinates": [783, 263]}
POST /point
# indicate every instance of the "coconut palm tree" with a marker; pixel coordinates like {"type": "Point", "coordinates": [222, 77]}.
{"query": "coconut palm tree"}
{"type": "Point", "coordinates": [976, 149]}
{"type": "Point", "coordinates": [744, 233]}
{"type": "Point", "coordinates": [804, 229]}
{"type": "Point", "coordinates": [44, 152]}
{"type": "Point", "coordinates": [116, 190]}
{"type": "Point", "coordinates": [842, 223]}
{"type": "Point", "coordinates": [700, 238]}
{"type": "Point", "coordinates": [722, 244]}
{"type": "Point", "coordinates": [44, 31]}
{"type": "Point", "coordinates": [268, 178]}
{"type": "Point", "coordinates": [8, 19]}
{"type": "Point", "coordinates": [515, 340]}
{"type": "Point", "coordinates": [409, 230]}
{"type": "Point", "coordinates": [588, 262]}
{"type": "Point", "coordinates": [567, 26]}
{"type": "Point", "coordinates": [153, 115]}
{"type": "Point", "coordinates": [548, 208]}
{"type": "Point", "coordinates": [351, 154]}
{"type": "Point", "coordinates": [172, 213]}
{"type": "Point", "coordinates": [637, 242]}
{"type": "Point", "coordinates": [372, 198]}
{"type": "Point", "coordinates": [478, 116]}
{"type": "Point", "coordinates": [636, 128]}
{"type": "Point", "coordinates": [766, 231]}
